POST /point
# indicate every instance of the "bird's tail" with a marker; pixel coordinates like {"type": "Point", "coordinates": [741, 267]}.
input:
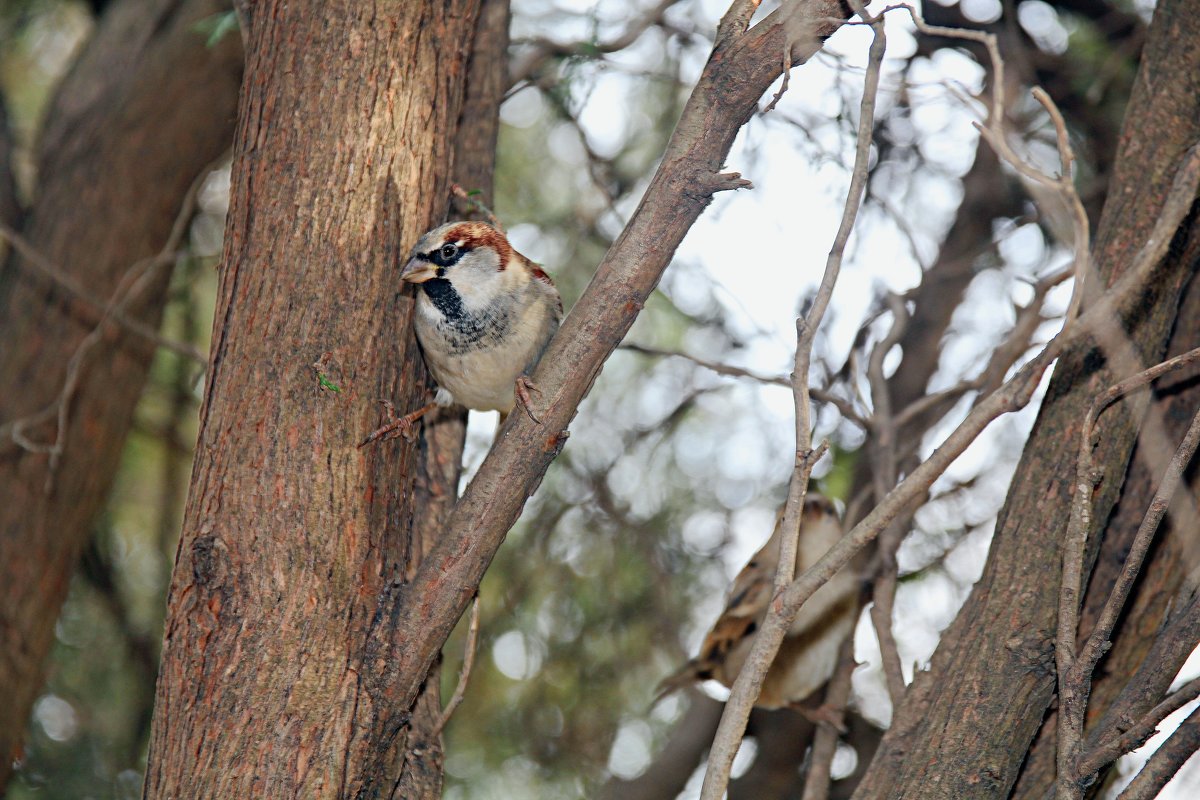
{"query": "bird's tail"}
{"type": "Point", "coordinates": [683, 677]}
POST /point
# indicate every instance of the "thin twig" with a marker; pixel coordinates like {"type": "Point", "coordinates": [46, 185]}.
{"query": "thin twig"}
{"type": "Point", "coordinates": [471, 200]}
{"type": "Point", "coordinates": [132, 283]}
{"type": "Point", "coordinates": [884, 471]}
{"type": "Point", "coordinates": [465, 674]}
{"type": "Point", "coordinates": [825, 740]}
{"type": "Point", "coordinates": [844, 406]}
{"type": "Point", "coordinates": [1166, 761]}
{"type": "Point", "coordinates": [992, 130]}
{"type": "Point", "coordinates": [727, 370]}
{"type": "Point", "coordinates": [1075, 672]}
{"type": "Point", "coordinates": [1003, 357]}
{"type": "Point", "coordinates": [543, 50]}
{"type": "Point", "coordinates": [43, 266]}
{"type": "Point", "coordinates": [750, 679]}
{"type": "Point", "coordinates": [1118, 745]}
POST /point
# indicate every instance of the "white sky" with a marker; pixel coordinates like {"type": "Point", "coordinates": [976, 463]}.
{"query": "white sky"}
{"type": "Point", "coordinates": [765, 249]}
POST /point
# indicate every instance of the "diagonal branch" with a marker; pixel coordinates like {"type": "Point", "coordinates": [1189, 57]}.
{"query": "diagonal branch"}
{"type": "Point", "coordinates": [754, 671]}
{"type": "Point", "coordinates": [742, 66]}
{"type": "Point", "coordinates": [1166, 761]}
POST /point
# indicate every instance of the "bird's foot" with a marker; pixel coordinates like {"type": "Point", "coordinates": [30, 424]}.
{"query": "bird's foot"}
{"type": "Point", "coordinates": [397, 426]}
{"type": "Point", "coordinates": [823, 714]}
{"type": "Point", "coordinates": [523, 388]}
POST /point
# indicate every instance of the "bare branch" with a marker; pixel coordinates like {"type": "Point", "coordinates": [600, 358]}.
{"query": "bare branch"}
{"type": "Point", "coordinates": [844, 406]}
{"type": "Point", "coordinates": [1118, 745]}
{"type": "Point", "coordinates": [1075, 673]}
{"type": "Point", "coordinates": [543, 50]}
{"type": "Point", "coordinates": [44, 267]}
{"type": "Point", "coordinates": [460, 690]}
{"type": "Point", "coordinates": [993, 131]}
{"type": "Point", "coordinates": [825, 740]}
{"type": "Point", "coordinates": [717, 367]}
{"type": "Point", "coordinates": [750, 678]}
{"type": "Point", "coordinates": [884, 474]}
{"type": "Point", "coordinates": [132, 283]}
{"type": "Point", "coordinates": [1166, 761]}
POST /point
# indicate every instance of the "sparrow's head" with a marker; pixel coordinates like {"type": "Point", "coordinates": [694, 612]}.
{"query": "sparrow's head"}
{"type": "Point", "coordinates": [472, 256]}
{"type": "Point", "coordinates": [817, 506]}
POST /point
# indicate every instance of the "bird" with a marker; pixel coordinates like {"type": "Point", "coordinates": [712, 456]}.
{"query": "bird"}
{"type": "Point", "coordinates": [484, 315]}
{"type": "Point", "coordinates": [809, 653]}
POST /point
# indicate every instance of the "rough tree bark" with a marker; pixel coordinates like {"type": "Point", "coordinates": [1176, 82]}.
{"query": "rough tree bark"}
{"type": "Point", "coordinates": [145, 109]}
{"type": "Point", "coordinates": [1162, 623]}
{"type": "Point", "coordinates": [291, 534]}
{"type": "Point", "coordinates": [442, 437]}
{"type": "Point", "coordinates": [966, 724]}
{"type": "Point", "coordinates": [743, 64]}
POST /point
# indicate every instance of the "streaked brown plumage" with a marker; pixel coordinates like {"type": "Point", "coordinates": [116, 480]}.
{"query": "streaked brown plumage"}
{"type": "Point", "coordinates": [808, 654]}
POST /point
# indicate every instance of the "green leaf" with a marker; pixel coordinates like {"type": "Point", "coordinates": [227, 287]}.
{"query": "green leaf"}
{"type": "Point", "coordinates": [326, 383]}
{"type": "Point", "coordinates": [215, 26]}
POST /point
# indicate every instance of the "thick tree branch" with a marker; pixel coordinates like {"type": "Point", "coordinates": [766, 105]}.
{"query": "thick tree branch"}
{"type": "Point", "coordinates": [742, 66]}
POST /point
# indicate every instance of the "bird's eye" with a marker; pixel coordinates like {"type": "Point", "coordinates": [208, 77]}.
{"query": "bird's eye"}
{"type": "Point", "coordinates": [449, 250]}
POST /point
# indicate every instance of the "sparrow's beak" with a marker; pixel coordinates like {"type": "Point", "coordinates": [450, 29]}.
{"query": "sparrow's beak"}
{"type": "Point", "coordinates": [418, 271]}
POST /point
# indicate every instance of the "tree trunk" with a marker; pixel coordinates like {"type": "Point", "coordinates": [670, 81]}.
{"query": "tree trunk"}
{"type": "Point", "coordinates": [1161, 625]}
{"type": "Point", "coordinates": [268, 683]}
{"type": "Point", "coordinates": [145, 109]}
{"type": "Point", "coordinates": [965, 726]}
{"type": "Point", "coordinates": [443, 438]}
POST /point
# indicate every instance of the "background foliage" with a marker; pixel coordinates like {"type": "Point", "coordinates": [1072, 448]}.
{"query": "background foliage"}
{"type": "Point", "coordinates": [673, 474]}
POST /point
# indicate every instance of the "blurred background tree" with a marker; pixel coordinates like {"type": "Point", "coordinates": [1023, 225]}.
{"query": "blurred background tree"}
{"type": "Point", "coordinates": [673, 472]}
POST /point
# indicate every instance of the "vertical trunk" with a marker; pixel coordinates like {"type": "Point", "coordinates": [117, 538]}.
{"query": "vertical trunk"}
{"type": "Point", "coordinates": [292, 535]}
{"type": "Point", "coordinates": [965, 726]}
{"type": "Point", "coordinates": [145, 109]}
{"type": "Point", "coordinates": [442, 438]}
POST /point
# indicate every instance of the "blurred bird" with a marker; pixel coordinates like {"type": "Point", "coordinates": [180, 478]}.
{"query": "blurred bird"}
{"type": "Point", "coordinates": [808, 655]}
{"type": "Point", "coordinates": [484, 315]}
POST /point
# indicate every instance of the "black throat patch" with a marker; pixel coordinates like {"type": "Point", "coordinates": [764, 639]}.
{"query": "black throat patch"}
{"type": "Point", "coordinates": [463, 329]}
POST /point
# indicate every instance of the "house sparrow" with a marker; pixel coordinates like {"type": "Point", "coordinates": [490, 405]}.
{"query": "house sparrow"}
{"type": "Point", "coordinates": [484, 315]}
{"type": "Point", "coordinates": [808, 655]}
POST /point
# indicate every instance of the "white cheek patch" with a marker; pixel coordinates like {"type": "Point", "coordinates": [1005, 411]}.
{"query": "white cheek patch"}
{"type": "Point", "coordinates": [478, 288]}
